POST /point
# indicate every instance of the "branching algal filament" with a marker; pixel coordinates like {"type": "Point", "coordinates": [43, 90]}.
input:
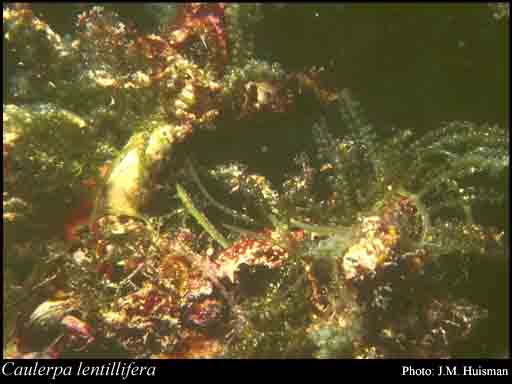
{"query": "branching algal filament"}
{"type": "Point", "coordinates": [199, 216]}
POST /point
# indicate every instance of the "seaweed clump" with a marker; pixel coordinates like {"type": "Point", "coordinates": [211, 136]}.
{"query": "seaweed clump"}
{"type": "Point", "coordinates": [356, 246]}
